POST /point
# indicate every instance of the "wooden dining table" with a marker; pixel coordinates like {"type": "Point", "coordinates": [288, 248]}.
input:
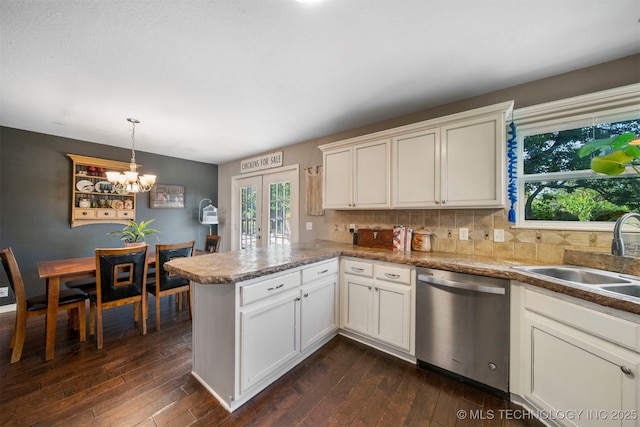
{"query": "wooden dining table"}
{"type": "Point", "coordinates": [63, 270]}
{"type": "Point", "coordinates": [59, 271]}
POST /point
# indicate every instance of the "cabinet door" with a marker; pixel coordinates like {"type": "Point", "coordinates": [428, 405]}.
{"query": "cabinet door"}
{"type": "Point", "coordinates": [371, 183]}
{"type": "Point", "coordinates": [392, 314]}
{"type": "Point", "coordinates": [337, 179]}
{"type": "Point", "coordinates": [358, 304]}
{"type": "Point", "coordinates": [319, 310]}
{"type": "Point", "coordinates": [566, 371]}
{"type": "Point", "coordinates": [473, 163]}
{"type": "Point", "coordinates": [415, 171]}
{"type": "Point", "coordinates": [268, 336]}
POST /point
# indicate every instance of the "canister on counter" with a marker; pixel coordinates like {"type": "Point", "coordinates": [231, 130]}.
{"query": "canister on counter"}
{"type": "Point", "coordinates": [421, 240]}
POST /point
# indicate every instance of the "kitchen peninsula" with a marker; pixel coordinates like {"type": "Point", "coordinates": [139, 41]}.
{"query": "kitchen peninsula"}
{"type": "Point", "coordinates": [259, 313]}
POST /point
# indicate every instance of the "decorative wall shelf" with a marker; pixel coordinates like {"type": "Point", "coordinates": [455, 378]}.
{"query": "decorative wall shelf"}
{"type": "Point", "coordinates": [94, 200]}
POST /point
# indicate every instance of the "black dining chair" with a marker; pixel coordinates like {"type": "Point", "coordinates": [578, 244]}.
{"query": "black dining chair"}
{"type": "Point", "coordinates": [166, 283]}
{"type": "Point", "coordinates": [121, 278]}
{"type": "Point", "coordinates": [212, 243]}
{"type": "Point", "coordinates": [72, 300]}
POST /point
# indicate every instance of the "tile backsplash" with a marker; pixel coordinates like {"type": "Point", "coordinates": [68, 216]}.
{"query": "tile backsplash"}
{"type": "Point", "coordinates": [546, 246]}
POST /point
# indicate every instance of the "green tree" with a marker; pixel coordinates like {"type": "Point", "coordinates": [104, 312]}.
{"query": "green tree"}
{"type": "Point", "coordinates": [557, 152]}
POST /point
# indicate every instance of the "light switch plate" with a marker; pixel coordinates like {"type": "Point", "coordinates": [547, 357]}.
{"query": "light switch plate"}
{"type": "Point", "coordinates": [4, 292]}
{"type": "Point", "coordinates": [498, 235]}
{"type": "Point", "coordinates": [463, 234]}
{"type": "Point", "coordinates": [309, 226]}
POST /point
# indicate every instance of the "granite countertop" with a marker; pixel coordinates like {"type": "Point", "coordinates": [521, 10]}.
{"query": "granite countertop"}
{"type": "Point", "coordinates": [238, 266]}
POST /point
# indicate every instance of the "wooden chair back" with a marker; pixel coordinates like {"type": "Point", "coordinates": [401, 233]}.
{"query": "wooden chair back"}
{"type": "Point", "coordinates": [121, 278]}
{"type": "Point", "coordinates": [166, 283]}
{"type": "Point", "coordinates": [121, 273]}
{"type": "Point", "coordinates": [72, 300]}
{"type": "Point", "coordinates": [212, 244]}
{"type": "Point", "coordinates": [15, 278]}
{"type": "Point", "coordinates": [167, 252]}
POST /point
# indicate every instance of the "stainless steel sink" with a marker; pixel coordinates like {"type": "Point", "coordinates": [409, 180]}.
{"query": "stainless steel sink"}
{"type": "Point", "coordinates": [608, 281]}
{"type": "Point", "coordinates": [630, 290]}
{"type": "Point", "coordinates": [579, 275]}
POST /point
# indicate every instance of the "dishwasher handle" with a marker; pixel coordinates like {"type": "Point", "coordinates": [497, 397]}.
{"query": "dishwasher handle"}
{"type": "Point", "coordinates": [460, 285]}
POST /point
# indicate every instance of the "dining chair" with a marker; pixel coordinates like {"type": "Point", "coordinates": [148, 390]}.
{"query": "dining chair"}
{"type": "Point", "coordinates": [166, 283]}
{"type": "Point", "coordinates": [212, 244]}
{"type": "Point", "coordinates": [121, 278]}
{"type": "Point", "coordinates": [71, 300]}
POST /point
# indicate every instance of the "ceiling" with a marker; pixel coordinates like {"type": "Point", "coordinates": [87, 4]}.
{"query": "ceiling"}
{"type": "Point", "coordinates": [215, 81]}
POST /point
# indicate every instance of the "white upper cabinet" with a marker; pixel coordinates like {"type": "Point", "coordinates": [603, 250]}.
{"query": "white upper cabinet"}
{"type": "Point", "coordinates": [456, 161]}
{"type": "Point", "coordinates": [416, 169]}
{"type": "Point", "coordinates": [357, 176]}
{"type": "Point", "coordinates": [473, 165]}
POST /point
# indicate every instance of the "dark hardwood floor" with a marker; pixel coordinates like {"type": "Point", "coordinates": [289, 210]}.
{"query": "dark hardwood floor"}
{"type": "Point", "coordinates": [146, 381]}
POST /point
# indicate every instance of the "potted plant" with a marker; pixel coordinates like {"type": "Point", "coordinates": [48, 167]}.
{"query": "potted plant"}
{"type": "Point", "coordinates": [135, 233]}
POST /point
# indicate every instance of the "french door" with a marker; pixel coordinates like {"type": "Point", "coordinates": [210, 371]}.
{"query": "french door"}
{"type": "Point", "coordinates": [265, 209]}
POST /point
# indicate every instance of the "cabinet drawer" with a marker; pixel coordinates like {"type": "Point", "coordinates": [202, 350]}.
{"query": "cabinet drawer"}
{"type": "Point", "coordinates": [84, 214]}
{"type": "Point", "coordinates": [358, 268]}
{"type": "Point", "coordinates": [269, 287]}
{"type": "Point", "coordinates": [126, 214]}
{"type": "Point", "coordinates": [106, 213]}
{"type": "Point", "coordinates": [393, 274]}
{"type": "Point", "coordinates": [318, 271]}
{"type": "Point", "coordinates": [610, 328]}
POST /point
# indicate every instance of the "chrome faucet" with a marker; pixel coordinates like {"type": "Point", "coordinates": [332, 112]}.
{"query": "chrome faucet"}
{"type": "Point", "coordinates": [617, 245]}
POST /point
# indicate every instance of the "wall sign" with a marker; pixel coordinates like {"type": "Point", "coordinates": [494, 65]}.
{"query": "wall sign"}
{"type": "Point", "coordinates": [266, 161]}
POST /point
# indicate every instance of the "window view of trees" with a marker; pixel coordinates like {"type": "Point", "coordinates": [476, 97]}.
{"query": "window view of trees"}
{"type": "Point", "coordinates": [560, 186]}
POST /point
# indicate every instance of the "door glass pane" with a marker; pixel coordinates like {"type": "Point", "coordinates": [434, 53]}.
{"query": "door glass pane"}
{"type": "Point", "coordinates": [280, 213]}
{"type": "Point", "coordinates": [248, 217]}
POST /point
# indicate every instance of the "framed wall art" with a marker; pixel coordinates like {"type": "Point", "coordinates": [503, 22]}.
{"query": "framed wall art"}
{"type": "Point", "coordinates": [164, 196]}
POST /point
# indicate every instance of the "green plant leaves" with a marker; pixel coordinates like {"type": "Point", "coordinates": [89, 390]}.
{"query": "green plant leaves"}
{"type": "Point", "coordinates": [613, 163]}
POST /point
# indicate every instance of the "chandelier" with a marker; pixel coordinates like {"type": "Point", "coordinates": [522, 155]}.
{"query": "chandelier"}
{"type": "Point", "coordinates": [129, 181]}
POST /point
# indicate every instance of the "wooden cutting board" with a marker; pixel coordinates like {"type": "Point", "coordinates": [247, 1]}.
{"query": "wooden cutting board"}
{"type": "Point", "coordinates": [370, 238]}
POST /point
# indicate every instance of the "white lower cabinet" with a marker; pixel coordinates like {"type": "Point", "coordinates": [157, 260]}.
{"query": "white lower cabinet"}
{"type": "Point", "coordinates": [319, 310]}
{"type": "Point", "coordinates": [246, 335]}
{"type": "Point", "coordinates": [269, 336]}
{"type": "Point", "coordinates": [578, 366]}
{"type": "Point", "coordinates": [376, 307]}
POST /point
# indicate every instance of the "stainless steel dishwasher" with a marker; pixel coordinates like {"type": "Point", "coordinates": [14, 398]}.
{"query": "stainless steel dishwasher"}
{"type": "Point", "coordinates": [462, 325]}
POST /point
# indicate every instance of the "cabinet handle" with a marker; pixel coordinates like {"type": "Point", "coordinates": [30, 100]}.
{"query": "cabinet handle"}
{"type": "Point", "coordinates": [298, 299]}
{"type": "Point", "coordinates": [444, 202]}
{"type": "Point", "coordinates": [323, 271]}
{"type": "Point", "coordinates": [277, 287]}
{"type": "Point", "coordinates": [392, 276]}
{"type": "Point", "coordinates": [626, 370]}
{"type": "Point", "coordinates": [357, 269]}
{"type": "Point", "coordinates": [377, 289]}
{"type": "Point", "coordinates": [85, 213]}
{"type": "Point", "coordinates": [306, 295]}
{"type": "Point", "coordinates": [369, 287]}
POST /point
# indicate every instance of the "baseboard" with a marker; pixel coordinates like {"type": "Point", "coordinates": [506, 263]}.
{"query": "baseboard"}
{"type": "Point", "coordinates": [7, 308]}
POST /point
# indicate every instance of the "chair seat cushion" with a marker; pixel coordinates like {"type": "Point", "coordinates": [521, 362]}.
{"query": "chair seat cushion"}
{"type": "Point", "coordinates": [67, 296]}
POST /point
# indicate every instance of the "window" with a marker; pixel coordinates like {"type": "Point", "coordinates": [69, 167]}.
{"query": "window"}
{"type": "Point", "coordinates": [556, 187]}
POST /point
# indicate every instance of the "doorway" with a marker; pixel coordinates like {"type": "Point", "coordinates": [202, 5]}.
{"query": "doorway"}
{"type": "Point", "coordinates": [265, 209]}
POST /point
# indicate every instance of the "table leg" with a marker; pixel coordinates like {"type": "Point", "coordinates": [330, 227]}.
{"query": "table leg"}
{"type": "Point", "coordinates": [53, 291]}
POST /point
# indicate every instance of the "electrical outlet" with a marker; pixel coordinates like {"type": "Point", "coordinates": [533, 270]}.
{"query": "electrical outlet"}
{"type": "Point", "coordinates": [463, 234]}
{"type": "Point", "coordinates": [498, 235]}
{"type": "Point", "coordinates": [309, 226]}
{"type": "Point", "coordinates": [352, 228]}
{"type": "Point", "coordinates": [4, 292]}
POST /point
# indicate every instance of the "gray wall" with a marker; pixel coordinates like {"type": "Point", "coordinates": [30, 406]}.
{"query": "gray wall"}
{"type": "Point", "coordinates": [35, 194]}
{"type": "Point", "coordinates": [608, 75]}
